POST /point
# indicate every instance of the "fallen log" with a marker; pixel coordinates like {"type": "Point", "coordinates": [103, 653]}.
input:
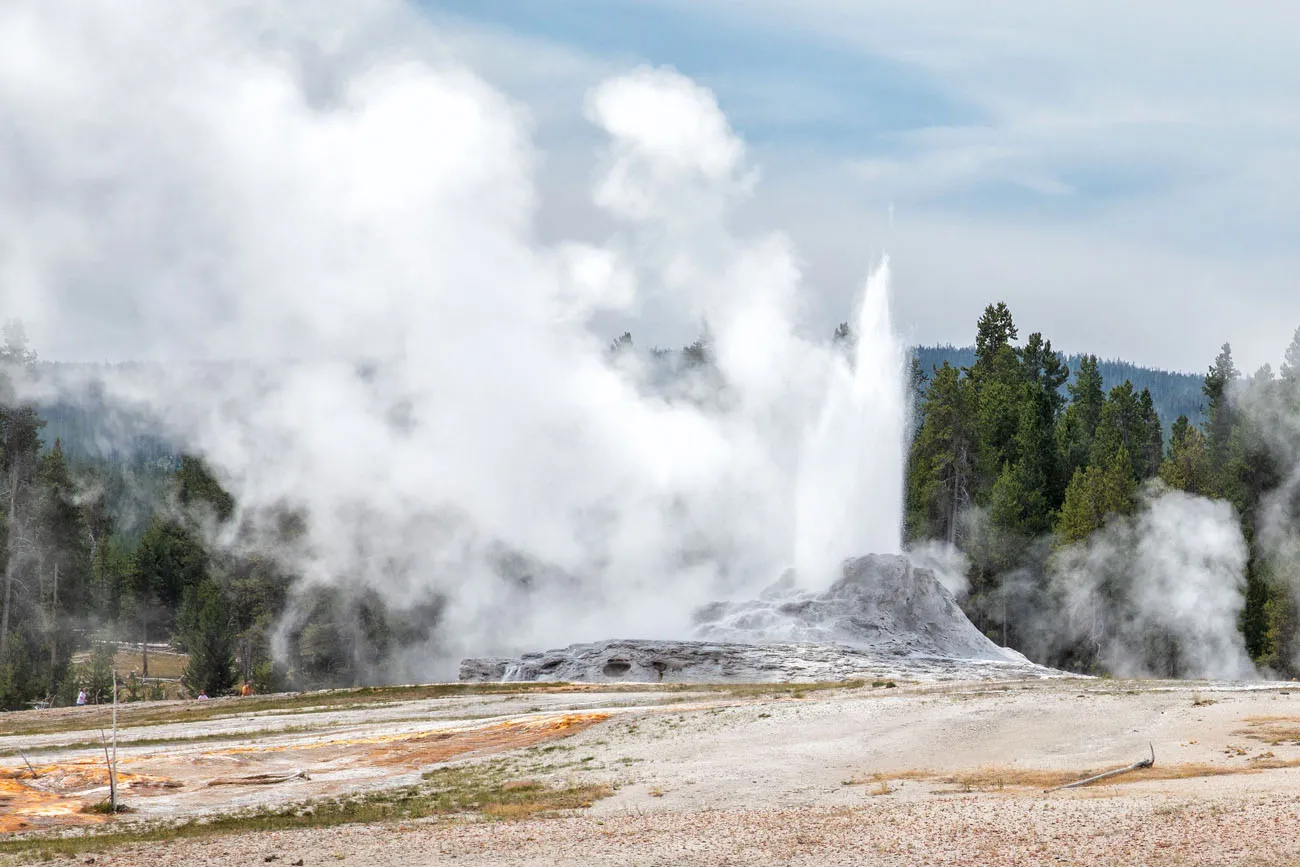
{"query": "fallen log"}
{"type": "Point", "coordinates": [260, 779]}
{"type": "Point", "coordinates": [1136, 766]}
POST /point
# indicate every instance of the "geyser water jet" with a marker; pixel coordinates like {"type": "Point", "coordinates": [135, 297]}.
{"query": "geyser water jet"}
{"type": "Point", "coordinates": [849, 491]}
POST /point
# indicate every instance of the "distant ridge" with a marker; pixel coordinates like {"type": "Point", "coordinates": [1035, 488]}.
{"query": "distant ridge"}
{"type": "Point", "coordinates": [1173, 394]}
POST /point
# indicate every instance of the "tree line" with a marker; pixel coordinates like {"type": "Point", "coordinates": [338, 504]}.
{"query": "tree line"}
{"type": "Point", "coordinates": [1013, 459]}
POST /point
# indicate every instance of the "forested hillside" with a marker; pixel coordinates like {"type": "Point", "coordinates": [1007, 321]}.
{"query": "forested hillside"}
{"type": "Point", "coordinates": [1095, 541]}
{"type": "Point", "coordinates": [1173, 393]}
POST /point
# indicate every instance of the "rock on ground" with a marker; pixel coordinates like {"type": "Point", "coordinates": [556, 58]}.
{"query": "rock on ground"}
{"type": "Point", "coordinates": [884, 617]}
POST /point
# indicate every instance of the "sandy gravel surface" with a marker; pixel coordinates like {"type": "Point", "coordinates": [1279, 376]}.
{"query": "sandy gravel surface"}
{"type": "Point", "coordinates": [957, 830]}
{"type": "Point", "coordinates": [861, 776]}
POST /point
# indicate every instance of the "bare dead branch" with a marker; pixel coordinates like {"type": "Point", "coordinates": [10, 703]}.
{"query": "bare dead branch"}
{"type": "Point", "coordinates": [1145, 763]}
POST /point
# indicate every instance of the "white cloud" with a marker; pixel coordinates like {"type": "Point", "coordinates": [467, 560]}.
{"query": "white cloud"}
{"type": "Point", "coordinates": [1161, 140]}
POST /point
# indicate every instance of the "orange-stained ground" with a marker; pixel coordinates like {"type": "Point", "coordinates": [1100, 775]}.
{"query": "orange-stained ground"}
{"type": "Point", "coordinates": [57, 794]}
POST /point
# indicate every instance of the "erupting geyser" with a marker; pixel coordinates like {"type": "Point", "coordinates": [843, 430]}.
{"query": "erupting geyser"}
{"type": "Point", "coordinates": [879, 615]}
{"type": "Point", "coordinates": [849, 492]}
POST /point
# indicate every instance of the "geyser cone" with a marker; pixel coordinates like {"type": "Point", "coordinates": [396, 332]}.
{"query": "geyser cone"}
{"type": "Point", "coordinates": [850, 487]}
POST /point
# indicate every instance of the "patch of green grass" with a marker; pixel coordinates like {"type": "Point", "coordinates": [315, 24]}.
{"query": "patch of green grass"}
{"type": "Point", "coordinates": [484, 789]}
{"type": "Point", "coordinates": [143, 714]}
{"type": "Point", "coordinates": [153, 742]}
{"type": "Point", "coordinates": [795, 690]}
{"type": "Point", "coordinates": [155, 713]}
{"type": "Point", "coordinates": [106, 808]}
{"type": "Point", "coordinates": [481, 790]}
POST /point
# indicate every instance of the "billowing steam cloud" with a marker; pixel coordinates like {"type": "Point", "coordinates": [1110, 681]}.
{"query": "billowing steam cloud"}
{"type": "Point", "coordinates": [1273, 409]}
{"type": "Point", "coordinates": [318, 196]}
{"type": "Point", "coordinates": [1158, 593]}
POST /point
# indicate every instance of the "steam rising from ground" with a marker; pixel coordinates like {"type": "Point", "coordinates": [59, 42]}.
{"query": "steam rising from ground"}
{"type": "Point", "coordinates": [1156, 593]}
{"type": "Point", "coordinates": [1166, 585]}
{"type": "Point", "coordinates": [1273, 407]}
{"type": "Point", "coordinates": [319, 189]}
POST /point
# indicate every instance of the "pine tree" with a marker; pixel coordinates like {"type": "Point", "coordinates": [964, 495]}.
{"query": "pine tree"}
{"type": "Point", "coordinates": [210, 640]}
{"type": "Point", "coordinates": [19, 459]}
{"type": "Point", "coordinates": [63, 560]}
{"type": "Point", "coordinates": [917, 380]}
{"type": "Point", "coordinates": [1095, 493]}
{"type": "Point", "coordinates": [941, 472]}
{"type": "Point", "coordinates": [844, 336]}
{"type": "Point", "coordinates": [1079, 422]}
{"type": "Point", "coordinates": [1290, 371]}
{"type": "Point", "coordinates": [996, 378]}
{"type": "Point", "coordinates": [994, 332]}
{"type": "Point", "coordinates": [1220, 417]}
{"type": "Point", "coordinates": [621, 344]}
{"type": "Point", "coordinates": [1187, 467]}
{"type": "Point", "coordinates": [1025, 496]}
{"type": "Point", "coordinates": [1046, 368]}
{"type": "Point", "coordinates": [198, 489]}
{"type": "Point", "coordinates": [1121, 428]}
{"type": "Point", "coordinates": [1151, 450]}
{"type": "Point", "coordinates": [168, 561]}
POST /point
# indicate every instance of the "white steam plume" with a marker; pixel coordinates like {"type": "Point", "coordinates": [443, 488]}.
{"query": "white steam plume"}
{"type": "Point", "coordinates": [306, 187]}
{"type": "Point", "coordinates": [1272, 409]}
{"type": "Point", "coordinates": [1158, 593]}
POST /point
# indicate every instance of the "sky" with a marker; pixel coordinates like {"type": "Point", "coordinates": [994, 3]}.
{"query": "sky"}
{"type": "Point", "coordinates": [1126, 178]}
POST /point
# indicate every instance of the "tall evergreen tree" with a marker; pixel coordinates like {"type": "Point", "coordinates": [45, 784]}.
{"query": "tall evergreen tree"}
{"type": "Point", "coordinates": [168, 561]}
{"type": "Point", "coordinates": [210, 640]}
{"type": "Point", "coordinates": [1290, 371]}
{"type": "Point", "coordinates": [20, 445]}
{"type": "Point", "coordinates": [996, 378]}
{"type": "Point", "coordinates": [1187, 467]}
{"type": "Point", "coordinates": [63, 560]}
{"type": "Point", "coordinates": [1151, 450]}
{"type": "Point", "coordinates": [941, 476]}
{"type": "Point", "coordinates": [1096, 493]}
{"type": "Point", "coordinates": [1121, 428]}
{"type": "Point", "coordinates": [1045, 368]}
{"type": "Point", "coordinates": [1219, 415]}
{"type": "Point", "coordinates": [198, 489]}
{"type": "Point", "coordinates": [1079, 423]}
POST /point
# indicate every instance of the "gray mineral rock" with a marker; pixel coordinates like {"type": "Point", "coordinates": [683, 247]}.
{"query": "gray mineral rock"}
{"type": "Point", "coordinates": [883, 618]}
{"type": "Point", "coordinates": [881, 603]}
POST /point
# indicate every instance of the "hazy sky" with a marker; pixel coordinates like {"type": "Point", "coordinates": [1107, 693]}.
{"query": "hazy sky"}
{"type": "Point", "coordinates": [1126, 176]}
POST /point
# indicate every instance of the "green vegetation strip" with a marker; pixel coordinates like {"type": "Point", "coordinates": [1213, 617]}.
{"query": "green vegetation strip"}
{"type": "Point", "coordinates": [241, 735]}
{"type": "Point", "coordinates": [477, 791]}
{"type": "Point", "coordinates": [150, 714]}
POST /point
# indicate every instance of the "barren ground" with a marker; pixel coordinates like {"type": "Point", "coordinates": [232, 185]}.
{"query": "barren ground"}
{"type": "Point", "coordinates": [950, 773]}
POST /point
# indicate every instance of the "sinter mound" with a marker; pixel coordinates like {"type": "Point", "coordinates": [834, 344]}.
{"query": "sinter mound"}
{"type": "Point", "coordinates": [883, 618]}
